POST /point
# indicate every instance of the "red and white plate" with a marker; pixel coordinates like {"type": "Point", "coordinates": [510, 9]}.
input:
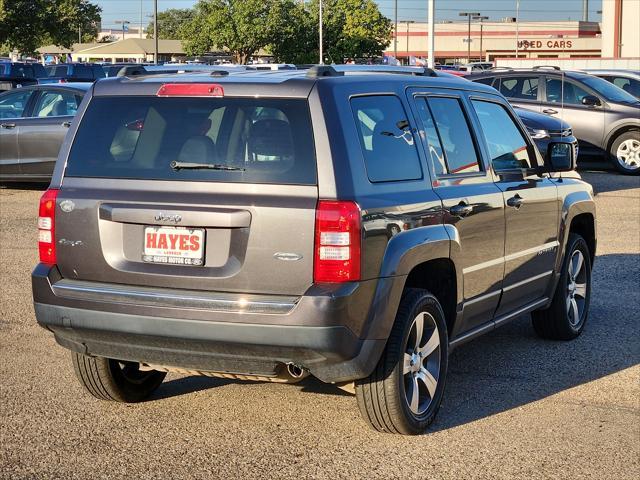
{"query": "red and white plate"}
{"type": "Point", "coordinates": [173, 245]}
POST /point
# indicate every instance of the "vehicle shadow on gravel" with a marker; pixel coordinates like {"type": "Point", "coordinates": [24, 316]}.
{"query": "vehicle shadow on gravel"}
{"type": "Point", "coordinates": [23, 186]}
{"type": "Point", "coordinates": [511, 366]}
{"type": "Point", "coordinates": [604, 182]}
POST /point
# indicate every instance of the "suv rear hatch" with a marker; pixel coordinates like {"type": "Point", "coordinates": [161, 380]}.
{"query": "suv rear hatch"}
{"type": "Point", "coordinates": [191, 192]}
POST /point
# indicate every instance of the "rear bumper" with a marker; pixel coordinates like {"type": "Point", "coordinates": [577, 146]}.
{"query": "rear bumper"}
{"type": "Point", "coordinates": [326, 330]}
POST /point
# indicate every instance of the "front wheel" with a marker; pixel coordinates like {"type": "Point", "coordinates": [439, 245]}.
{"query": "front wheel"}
{"type": "Point", "coordinates": [566, 316]}
{"type": "Point", "coordinates": [120, 381]}
{"type": "Point", "coordinates": [404, 392]}
{"type": "Point", "coordinates": [625, 153]}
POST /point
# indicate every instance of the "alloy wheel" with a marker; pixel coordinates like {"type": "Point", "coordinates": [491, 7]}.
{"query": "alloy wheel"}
{"type": "Point", "coordinates": [628, 154]}
{"type": "Point", "coordinates": [576, 288]}
{"type": "Point", "coordinates": [421, 365]}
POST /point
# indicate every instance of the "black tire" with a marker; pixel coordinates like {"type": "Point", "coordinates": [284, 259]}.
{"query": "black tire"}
{"type": "Point", "coordinates": [630, 137]}
{"type": "Point", "coordinates": [382, 396]}
{"type": "Point", "coordinates": [556, 322]}
{"type": "Point", "coordinates": [109, 379]}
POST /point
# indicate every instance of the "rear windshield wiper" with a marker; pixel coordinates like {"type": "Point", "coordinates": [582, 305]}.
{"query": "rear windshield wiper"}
{"type": "Point", "coordinates": [203, 166]}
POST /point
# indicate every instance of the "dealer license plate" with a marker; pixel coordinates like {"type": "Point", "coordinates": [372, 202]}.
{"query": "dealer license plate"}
{"type": "Point", "coordinates": [173, 245]}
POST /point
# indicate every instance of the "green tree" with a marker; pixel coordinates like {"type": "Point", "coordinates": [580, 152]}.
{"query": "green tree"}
{"type": "Point", "coordinates": [241, 27]}
{"type": "Point", "coordinates": [171, 23]}
{"type": "Point", "coordinates": [26, 25]}
{"type": "Point", "coordinates": [352, 29]}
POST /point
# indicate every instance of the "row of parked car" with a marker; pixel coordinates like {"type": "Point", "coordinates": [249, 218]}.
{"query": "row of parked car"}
{"type": "Point", "coordinates": [599, 116]}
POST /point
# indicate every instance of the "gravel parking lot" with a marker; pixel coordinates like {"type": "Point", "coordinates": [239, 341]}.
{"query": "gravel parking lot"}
{"type": "Point", "coordinates": [515, 406]}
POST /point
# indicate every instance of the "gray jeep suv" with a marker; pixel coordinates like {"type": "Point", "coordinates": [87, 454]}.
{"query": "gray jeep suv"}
{"type": "Point", "coordinates": [350, 223]}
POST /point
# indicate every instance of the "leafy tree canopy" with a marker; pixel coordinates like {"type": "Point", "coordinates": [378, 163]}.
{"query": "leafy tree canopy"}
{"type": "Point", "coordinates": [26, 25]}
{"type": "Point", "coordinates": [171, 23]}
{"type": "Point", "coordinates": [288, 29]}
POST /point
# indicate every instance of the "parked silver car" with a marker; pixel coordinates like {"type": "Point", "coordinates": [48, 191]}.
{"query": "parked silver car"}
{"type": "Point", "coordinates": [605, 119]}
{"type": "Point", "coordinates": [33, 123]}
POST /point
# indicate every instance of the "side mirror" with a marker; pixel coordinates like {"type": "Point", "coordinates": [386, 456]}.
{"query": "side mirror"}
{"type": "Point", "coordinates": [591, 101]}
{"type": "Point", "coordinates": [560, 157]}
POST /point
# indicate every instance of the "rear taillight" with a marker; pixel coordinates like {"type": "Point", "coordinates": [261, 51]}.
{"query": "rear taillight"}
{"type": "Point", "coordinates": [47, 227]}
{"type": "Point", "coordinates": [337, 242]}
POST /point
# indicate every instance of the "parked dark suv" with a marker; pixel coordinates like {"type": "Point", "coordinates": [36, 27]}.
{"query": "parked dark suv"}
{"type": "Point", "coordinates": [19, 74]}
{"type": "Point", "coordinates": [73, 72]}
{"type": "Point", "coordinates": [232, 224]}
{"type": "Point", "coordinates": [605, 119]}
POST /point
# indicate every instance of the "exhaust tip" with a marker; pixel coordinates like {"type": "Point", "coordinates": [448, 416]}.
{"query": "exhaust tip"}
{"type": "Point", "coordinates": [296, 371]}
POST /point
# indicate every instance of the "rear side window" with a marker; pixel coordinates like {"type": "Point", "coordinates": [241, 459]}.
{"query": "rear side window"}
{"type": "Point", "coordinates": [82, 71]}
{"type": "Point", "coordinates": [57, 71]}
{"type": "Point", "coordinates": [486, 81]}
{"type": "Point", "coordinates": [507, 146]}
{"type": "Point", "coordinates": [56, 104]}
{"type": "Point", "coordinates": [213, 139]}
{"type": "Point", "coordinates": [386, 139]}
{"type": "Point", "coordinates": [524, 88]}
{"type": "Point", "coordinates": [454, 134]}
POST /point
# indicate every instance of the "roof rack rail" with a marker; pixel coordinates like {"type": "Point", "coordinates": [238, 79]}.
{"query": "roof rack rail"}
{"type": "Point", "coordinates": [540, 67]}
{"type": "Point", "coordinates": [219, 73]}
{"type": "Point", "coordinates": [318, 71]}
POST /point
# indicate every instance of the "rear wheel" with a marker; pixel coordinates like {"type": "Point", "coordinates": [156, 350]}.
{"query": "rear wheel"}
{"type": "Point", "coordinates": [404, 392]}
{"type": "Point", "coordinates": [566, 316]}
{"type": "Point", "coordinates": [109, 379]}
{"type": "Point", "coordinates": [625, 152]}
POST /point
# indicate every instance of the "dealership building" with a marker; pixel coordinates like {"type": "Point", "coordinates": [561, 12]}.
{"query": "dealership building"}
{"type": "Point", "coordinates": [617, 37]}
{"type": "Point", "coordinates": [491, 40]}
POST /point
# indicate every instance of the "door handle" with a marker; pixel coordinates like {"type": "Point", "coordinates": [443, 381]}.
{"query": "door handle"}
{"type": "Point", "coordinates": [8, 125]}
{"type": "Point", "coordinates": [463, 209]}
{"type": "Point", "coordinates": [516, 201]}
{"type": "Point", "coordinates": [66, 124]}
{"type": "Point", "coordinates": [549, 111]}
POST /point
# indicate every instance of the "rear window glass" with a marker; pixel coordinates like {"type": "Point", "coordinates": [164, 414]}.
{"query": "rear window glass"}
{"type": "Point", "coordinates": [57, 71]}
{"type": "Point", "coordinates": [214, 139]}
{"type": "Point", "coordinates": [386, 139]}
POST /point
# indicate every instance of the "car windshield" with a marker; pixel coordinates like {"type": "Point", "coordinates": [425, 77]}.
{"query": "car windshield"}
{"type": "Point", "coordinates": [609, 90]}
{"type": "Point", "coordinates": [4, 69]}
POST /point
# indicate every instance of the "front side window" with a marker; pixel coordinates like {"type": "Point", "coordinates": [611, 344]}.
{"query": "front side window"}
{"type": "Point", "coordinates": [507, 146]}
{"type": "Point", "coordinates": [455, 135]}
{"type": "Point", "coordinates": [564, 92]}
{"type": "Point", "coordinates": [386, 139]}
{"type": "Point", "coordinates": [56, 104]}
{"type": "Point", "coordinates": [12, 105]}
{"type": "Point", "coordinates": [522, 88]}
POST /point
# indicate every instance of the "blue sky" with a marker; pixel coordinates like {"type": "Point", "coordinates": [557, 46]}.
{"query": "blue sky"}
{"type": "Point", "coordinates": [551, 10]}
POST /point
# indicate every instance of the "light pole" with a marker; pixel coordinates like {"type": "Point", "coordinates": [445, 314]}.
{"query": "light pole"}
{"type": "Point", "coordinates": [469, 15]}
{"type": "Point", "coordinates": [395, 29]}
{"type": "Point", "coordinates": [431, 42]}
{"type": "Point", "coordinates": [155, 32]}
{"type": "Point", "coordinates": [517, 27]}
{"type": "Point", "coordinates": [481, 18]}
{"type": "Point", "coordinates": [320, 31]}
{"type": "Point", "coordinates": [124, 24]}
{"type": "Point", "coordinates": [408, 22]}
